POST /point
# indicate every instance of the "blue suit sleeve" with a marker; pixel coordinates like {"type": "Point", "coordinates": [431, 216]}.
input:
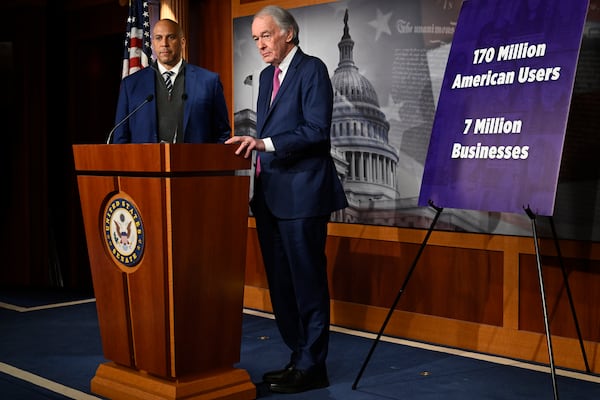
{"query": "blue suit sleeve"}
{"type": "Point", "coordinates": [221, 115]}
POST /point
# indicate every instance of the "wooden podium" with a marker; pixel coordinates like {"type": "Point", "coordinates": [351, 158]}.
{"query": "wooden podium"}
{"type": "Point", "coordinates": [166, 228]}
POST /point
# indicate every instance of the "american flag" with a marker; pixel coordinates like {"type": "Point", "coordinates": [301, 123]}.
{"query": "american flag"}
{"type": "Point", "coordinates": [137, 51]}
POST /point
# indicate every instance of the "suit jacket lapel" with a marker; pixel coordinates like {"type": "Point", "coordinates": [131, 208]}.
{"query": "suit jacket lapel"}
{"type": "Point", "coordinates": [262, 106]}
{"type": "Point", "coordinates": [290, 75]}
{"type": "Point", "coordinates": [189, 82]}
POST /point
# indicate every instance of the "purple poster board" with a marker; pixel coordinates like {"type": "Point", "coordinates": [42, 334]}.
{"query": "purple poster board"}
{"type": "Point", "coordinates": [500, 122]}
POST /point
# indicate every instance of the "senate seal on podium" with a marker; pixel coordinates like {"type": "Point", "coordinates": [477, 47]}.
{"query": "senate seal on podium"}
{"type": "Point", "coordinates": [124, 231]}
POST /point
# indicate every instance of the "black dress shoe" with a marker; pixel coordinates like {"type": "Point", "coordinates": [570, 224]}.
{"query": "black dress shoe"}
{"type": "Point", "coordinates": [298, 380]}
{"type": "Point", "coordinates": [279, 375]}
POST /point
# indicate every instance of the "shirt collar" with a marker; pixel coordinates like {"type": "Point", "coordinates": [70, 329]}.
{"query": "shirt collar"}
{"type": "Point", "coordinates": [175, 69]}
{"type": "Point", "coordinates": [285, 64]}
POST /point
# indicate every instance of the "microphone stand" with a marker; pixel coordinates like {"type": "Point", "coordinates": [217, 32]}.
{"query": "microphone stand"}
{"type": "Point", "coordinates": [148, 99]}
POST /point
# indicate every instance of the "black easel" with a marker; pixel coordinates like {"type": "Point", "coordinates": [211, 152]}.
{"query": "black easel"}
{"type": "Point", "coordinates": [391, 311]}
{"type": "Point", "coordinates": [542, 292]}
{"type": "Point", "coordinates": [532, 216]}
{"type": "Point", "coordinates": [568, 289]}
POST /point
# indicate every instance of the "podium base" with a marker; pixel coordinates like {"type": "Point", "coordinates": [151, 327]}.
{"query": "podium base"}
{"type": "Point", "coordinates": [120, 383]}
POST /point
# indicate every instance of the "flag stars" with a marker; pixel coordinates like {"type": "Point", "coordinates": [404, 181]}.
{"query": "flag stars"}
{"type": "Point", "coordinates": [392, 110]}
{"type": "Point", "coordinates": [381, 24]}
{"type": "Point", "coordinates": [138, 51]}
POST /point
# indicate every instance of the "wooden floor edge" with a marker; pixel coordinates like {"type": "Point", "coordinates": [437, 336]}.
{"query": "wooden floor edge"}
{"type": "Point", "coordinates": [487, 339]}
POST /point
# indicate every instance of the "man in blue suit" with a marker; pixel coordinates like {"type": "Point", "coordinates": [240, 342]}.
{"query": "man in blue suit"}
{"type": "Point", "coordinates": [188, 107]}
{"type": "Point", "coordinates": [296, 190]}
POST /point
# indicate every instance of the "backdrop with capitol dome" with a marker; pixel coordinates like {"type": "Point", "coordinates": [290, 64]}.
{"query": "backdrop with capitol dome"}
{"type": "Point", "coordinates": [387, 61]}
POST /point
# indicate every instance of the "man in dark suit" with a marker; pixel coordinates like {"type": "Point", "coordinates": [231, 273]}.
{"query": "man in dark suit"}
{"type": "Point", "coordinates": [190, 107]}
{"type": "Point", "coordinates": [295, 191]}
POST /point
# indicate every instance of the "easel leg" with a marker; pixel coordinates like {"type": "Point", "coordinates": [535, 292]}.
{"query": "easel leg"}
{"type": "Point", "coordinates": [543, 295]}
{"type": "Point", "coordinates": [393, 307]}
{"type": "Point", "coordinates": [568, 288]}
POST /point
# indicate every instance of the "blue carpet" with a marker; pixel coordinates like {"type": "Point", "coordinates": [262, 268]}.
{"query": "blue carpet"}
{"type": "Point", "coordinates": [63, 345]}
{"type": "Point", "coordinates": [35, 297]}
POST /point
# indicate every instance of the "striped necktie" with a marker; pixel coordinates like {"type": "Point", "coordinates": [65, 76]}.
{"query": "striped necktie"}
{"type": "Point", "coordinates": [168, 82]}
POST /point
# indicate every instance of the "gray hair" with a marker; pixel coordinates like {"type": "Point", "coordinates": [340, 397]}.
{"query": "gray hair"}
{"type": "Point", "coordinates": [284, 20]}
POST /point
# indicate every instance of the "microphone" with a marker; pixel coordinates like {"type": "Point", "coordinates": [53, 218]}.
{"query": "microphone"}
{"type": "Point", "coordinates": [148, 99]}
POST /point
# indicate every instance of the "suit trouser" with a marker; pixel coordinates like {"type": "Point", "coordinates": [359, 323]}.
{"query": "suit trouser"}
{"type": "Point", "coordinates": [293, 253]}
